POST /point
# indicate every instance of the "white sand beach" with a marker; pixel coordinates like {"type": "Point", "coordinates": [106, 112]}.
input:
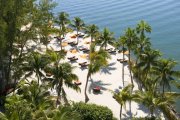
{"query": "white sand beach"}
{"type": "Point", "coordinates": [107, 79]}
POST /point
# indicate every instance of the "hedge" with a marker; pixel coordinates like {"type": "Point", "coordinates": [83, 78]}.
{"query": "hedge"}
{"type": "Point", "coordinates": [93, 111]}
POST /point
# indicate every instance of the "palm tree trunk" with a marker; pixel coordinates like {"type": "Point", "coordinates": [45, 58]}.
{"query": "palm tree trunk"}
{"type": "Point", "coordinates": [58, 90]}
{"type": "Point", "coordinates": [11, 39]}
{"type": "Point", "coordinates": [85, 93]}
{"type": "Point", "coordinates": [163, 88]}
{"type": "Point", "coordinates": [152, 112]}
{"type": "Point", "coordinates": [120, 112]}
{"type": "Point", "coordinates": [64, 96]}
{"type": "Point", "coordinates": [123, 67]}
{"type": "Point", "coordinates": [57, 100]}
{"type": "Point", "coordinates": [105, 46]}
{"type": "Point", "coordinates": [77, 37]}
{"type": "Point", "coordinates": [91, 39]}
{"type": "Point", "coordinates": [61, 44]}
{"type": "Point", "coordinates": [38, 77]}
{"type": "Point", "coordinates": [130, 66]}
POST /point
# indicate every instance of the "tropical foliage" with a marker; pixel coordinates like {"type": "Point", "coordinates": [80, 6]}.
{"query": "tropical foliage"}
{"type": "Point", "coordinates": [92, 111]}
{"type": "Point", "coordinates": [98, 59]}
{"type": "Point", "coordinates": [123, 96]}
{"type": "Point", "coordinates": [78, 24]}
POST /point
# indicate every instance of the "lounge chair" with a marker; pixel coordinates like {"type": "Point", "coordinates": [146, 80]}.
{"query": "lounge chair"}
{"type": "Point", "coordinates": [48, 74]}
{"type": "Point", "coordinates": [80, 36]}
{"type": "Point", "coordinates": [59, 38]}
{"type": "Point", "coordinates": [121, 61]}
{"type": "Point", "coordinates": [81, 49]}
{"type": "Point", "coordinates": [112, 51]}
{"type": "Point", "coordinates": [86, 50]}
{"type": "Point", "coordinates": [73, 43]}
{"type": "Point", "coordinates": [74, 36]}
{"type": "Point", "coordinates": [77, 82]}
{"type": "Point", "coordinates": [109, 49]}
{"type": "Point", "coordinates": [84, 65]}
{"type": "Point", "coordinates": [73, 59]}
{"type": "Point", "coordinates": [96, 89]}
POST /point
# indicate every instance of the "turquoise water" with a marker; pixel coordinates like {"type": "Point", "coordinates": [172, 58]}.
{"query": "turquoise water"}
{"type": "Point", "coordinates": [117, 15]}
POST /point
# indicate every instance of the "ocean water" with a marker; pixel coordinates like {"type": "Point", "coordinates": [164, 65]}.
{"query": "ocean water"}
{"type": "Point", "coordinates": [117, 15]}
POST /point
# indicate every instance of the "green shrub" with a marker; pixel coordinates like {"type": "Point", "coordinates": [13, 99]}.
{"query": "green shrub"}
{"type": "Point", "coordinates": [93, 111]}
{"type": "Point", "coordinates": [146, 118]}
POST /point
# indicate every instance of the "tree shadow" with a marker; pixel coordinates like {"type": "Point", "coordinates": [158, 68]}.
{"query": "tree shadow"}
{"type": "Point", "coordinates": [97, 83]}
{"type": "Point", "coordinates": [143, 108]}
{"type": "Point", "coordinates": [83, 68]}
{"type": "Point", "coordinates": [73, 61]}
{"type": "Point", "coordinates": [106, 70]}
{"type": "Point", "coordinates": [112, 53]}
{"type": "Point", "coordinates": [116, 90]}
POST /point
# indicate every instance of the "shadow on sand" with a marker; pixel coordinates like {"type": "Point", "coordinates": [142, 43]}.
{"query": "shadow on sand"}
{"type": "Point", "coordinates": [108, 69]}
{"type": "Point", "coordinates": [97, 83]}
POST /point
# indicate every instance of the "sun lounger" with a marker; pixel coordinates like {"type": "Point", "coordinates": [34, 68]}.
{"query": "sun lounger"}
{"type": "Point", "coordinates": [59, 38]}
{"type": "Point", "coordinates": [73, 59]}
{"type": "Point", "coordinates": [112, 51]}
{"type": "Point", "coordinates": [96, 89]}
{"type": "Point", "coordinates": [73, 36]}
{"type": "Point", "coordinates": [74, 43]}
{"type": "Point", "coordinates": [83, 65]}
{"type": "Point", "coordinates": [108, 49]}
{"type": "Point", "coordinates": [121, 60]}
{"type": "Point", "coordinates": [80, 36]}
{"type": "Point", "coordinates": [86, 50]}
{"type": "Point", "coordinates": [77, 82]}
{"type": "Point", "coordinates": [48, 74]}
{"type": "Point", "coordinates": [81, 49]}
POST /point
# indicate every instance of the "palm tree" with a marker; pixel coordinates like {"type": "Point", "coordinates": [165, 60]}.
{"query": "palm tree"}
{"type": "Point", "coordinates": [78, 24]}
{"type": "Point", "coordinates": [66, 113]}
{"type": "Point", "coordinates": [166, 73]}
{"type": "Point", "coordinates": [123, 96]}
{"type": "Point", "coordinates": [143, 27]}
{"type": "Point", "coordinates": [130, 41]}
{"type": "Point", "coordinates": [62, 74]}
{"type": "Point", "coordinates": [17, 108]}
{"type": "Point", "coordinates": [35, 62]}
{"type": "Point", "coordinates": [55, 57]}
{"type": "Point", "coordinates": [142, 41]}
{"type": "Point", "coordinates": [151, 101]}
{"type": "Point", "coordinates": [106, 37]}
{"type": "Point", "coordinates": [142, 45]}
{"type": "Point", "coordinates": [3, 116]}
{"type": "Point", "coordinates": [36, 95]}
{"type": "Point", "coordinates": [63, 20]}
{"type": "Point", "coordinates": [98, 59]}
{"type": "Point", "coordinates": [91, 31]}
{"type": "Point", "coordinates": [148, 59]}
{"type": "Point", "coordinates": [61, 113]}
{"type": "Point", "coordinates": [121, 42]}
{"type": "Point", "coordinates": [167, 108]}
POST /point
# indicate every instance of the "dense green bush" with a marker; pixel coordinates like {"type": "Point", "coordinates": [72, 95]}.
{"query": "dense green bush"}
{"type": "Point", "coordinates": [146, 118]}
{"type": "Point", "coordinates": [93, 111]}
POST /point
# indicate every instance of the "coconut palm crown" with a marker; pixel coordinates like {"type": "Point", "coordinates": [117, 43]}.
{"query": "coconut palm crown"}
{"type": "Point", "coordinates": [91, 31]}
{"type": "Point", "coordinates": [105, 38]}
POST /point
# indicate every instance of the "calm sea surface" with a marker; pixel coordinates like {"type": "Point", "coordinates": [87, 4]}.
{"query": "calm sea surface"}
{"type": "Point", "coordinates": [117, 15]}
